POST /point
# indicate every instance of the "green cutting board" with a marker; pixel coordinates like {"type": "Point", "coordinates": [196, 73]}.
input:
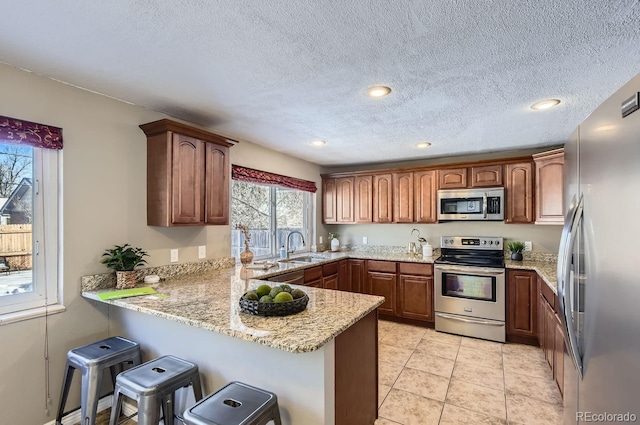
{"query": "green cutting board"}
{"type": "Point", "coordinates": [124, 293]}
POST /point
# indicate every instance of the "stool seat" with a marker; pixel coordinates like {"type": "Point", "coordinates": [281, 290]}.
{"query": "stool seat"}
{"type": "Point", "coordinates": [153, 385]}
{"type": "Point", "coordinates": [235, 404]}
{"type": "Point", "coordinates": [92, 360]}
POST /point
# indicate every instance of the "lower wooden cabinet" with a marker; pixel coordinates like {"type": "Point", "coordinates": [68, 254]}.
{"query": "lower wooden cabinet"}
{"type": "Point", "coordinates": [344, 281]}
{"type": "Point", "coordinates": [415, 297]}
{"type": "Point", "coordinates": [551, 334]}
{"type": "Point", "coordinates": [384, 285]}
{"type": "Point", "coordinates": [522, 304]}
{"type": "Point", "coordinates": [558, 355]}
{"type": "Point", "coordinates": [357, 275]}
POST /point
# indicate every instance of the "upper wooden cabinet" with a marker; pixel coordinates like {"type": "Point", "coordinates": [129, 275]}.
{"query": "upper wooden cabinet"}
{"type": "Point", "coordinates": [328, 200]}
{"type": "Point", "coordinates": [453, 178]}
{"type": "Point", "coordinates": [364, 199]}
{"type": "Point", "coordinates": [519, 193]}
{"type": "Point", "coordinates": [403, 197]}
{"type": "Point", "coordinates": [425, 196]}
{"type": "Point", "coordinates": [338, 200]}
{"type": "Point", "coordinates": [549, 187]}
{"type": "Point", "coordinates": [382, 198]}
{"type": "Point", "coordinates": [187, 175]}
{"type": "Point", "coordinates": [486, 176]}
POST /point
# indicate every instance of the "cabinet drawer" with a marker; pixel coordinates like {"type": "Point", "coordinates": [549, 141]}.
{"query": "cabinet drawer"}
{"type": "Point", "coordinates": [547, 293]}
{"type": "Point", "coordinates": [313, 273]}
{"type": "Point", "coordinates": [381, 266]}
{"type": "Point", "coordinates": [415, 269]}
{"type": "Point", "coordinates": [329, 269]}
{"type": "Point", "coordinates": [295, 278]}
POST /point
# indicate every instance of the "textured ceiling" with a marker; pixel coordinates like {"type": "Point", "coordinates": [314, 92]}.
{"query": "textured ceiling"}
{"type": "Point", "coordinates": [283, 72]}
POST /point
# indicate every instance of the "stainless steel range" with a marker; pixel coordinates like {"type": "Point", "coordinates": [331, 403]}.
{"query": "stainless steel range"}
{"type": "Point", "coordinates": [470, 287]}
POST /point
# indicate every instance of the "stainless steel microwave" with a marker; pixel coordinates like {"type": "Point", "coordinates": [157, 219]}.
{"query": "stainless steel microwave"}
{"type": "Point", "coordinates": [471, 204]}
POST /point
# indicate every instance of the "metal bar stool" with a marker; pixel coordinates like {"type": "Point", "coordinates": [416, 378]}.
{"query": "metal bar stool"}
{"type": "Point", "coordinates": [92, 360]}
{"type": "Point", "coordinates": [153, 385]}
{"type": "Point", "coordinates": [235, 404]}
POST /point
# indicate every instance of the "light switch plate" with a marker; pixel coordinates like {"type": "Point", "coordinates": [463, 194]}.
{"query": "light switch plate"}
{"type": "Point", "coordinates": [202, 251]}
{"type": "Point", "coordinates": [527, 246]}
{"type": "Point", "coordinates": [174, 255]}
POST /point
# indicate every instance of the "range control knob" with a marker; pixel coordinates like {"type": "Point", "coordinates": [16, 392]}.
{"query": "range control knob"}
{"type": "Point", "coordinates": [484, 242]}
{"type": "Point", "coordinates": [497, 242]}
{"type": "Point", "coordinates": [490, 242]}
{"type": "Point", "coordinates": [450, 240]}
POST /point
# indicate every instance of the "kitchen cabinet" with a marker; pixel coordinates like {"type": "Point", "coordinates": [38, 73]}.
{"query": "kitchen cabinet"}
{"type": "Point", "coordinates": [486, 176]}
{"type": "Point", "coordinates": [364, 199]}
{"type": "Point", "coordinates": [558, 355]}
{"type": "Point", "coordinates": [330, 275]}
{"type": "Point", "coordinates": [415, 291]}
{"type": "Point", "coordinates": [313, 277]}
{"type": "Point", "coordinates": [453, 178]}
{"type": "Point", "coordinates": [425, 195]}
{"type": "Point", "coordinates": [381, 280]}
{"type": "Point", "coordinates": [382, 198]}
{"type": "Point", "coordinates": [522, 304]}
{"type": "Point", "coordinates": [403, 197]}
{"type": "Point", "coordinates": [293, 278]}
{"type": "Point", "coordinates": [187, 175]}
{"type": "Point", "coordinates": [344, 282]}
{"type": "Point", "coordinates": [549, 168]}
{"type": "Point", "coordinates": [519, 193]}
{"type": "Point", "coordinates": [357, 275]}
{"type": "Point", "coordinates": [551, 334]}
{"type": "Point", "coordinates": [338, 200]}
{"type": "Point", "coordinates": [329, 201]}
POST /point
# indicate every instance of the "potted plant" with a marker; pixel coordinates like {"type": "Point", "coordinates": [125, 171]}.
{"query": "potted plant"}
{"type": "Point", "coordinates": [124, 259]}
{"type": "Point", "coordinates": [516, 249]}
{"type": "Point", "coordinates": [335, 243]}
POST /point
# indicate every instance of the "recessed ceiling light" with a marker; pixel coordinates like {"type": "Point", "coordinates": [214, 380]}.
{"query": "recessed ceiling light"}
{"type": "Point", "coordinates": [545, 104]}
{"type": "Point", "coordinates": [378, 91]}
{"type": "Point", "coordinates": [318, 142]}
{"type": "Point", "coordinates": [423, 145]}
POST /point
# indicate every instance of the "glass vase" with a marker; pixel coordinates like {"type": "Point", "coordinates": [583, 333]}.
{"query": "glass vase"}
{"type": "Point", "coordinates": [246, 256]}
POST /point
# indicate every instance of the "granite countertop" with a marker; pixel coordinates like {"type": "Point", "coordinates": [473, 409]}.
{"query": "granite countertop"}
{"type": "Point", "coordinates": [209, 300]}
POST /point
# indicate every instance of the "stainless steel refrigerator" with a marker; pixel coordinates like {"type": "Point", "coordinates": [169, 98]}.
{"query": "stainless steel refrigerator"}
{"type": "Point", "coordinates": [599, 263]}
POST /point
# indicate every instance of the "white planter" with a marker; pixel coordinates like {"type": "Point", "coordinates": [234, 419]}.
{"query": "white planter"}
{"type": "Point", "coordinates": [335, 244]}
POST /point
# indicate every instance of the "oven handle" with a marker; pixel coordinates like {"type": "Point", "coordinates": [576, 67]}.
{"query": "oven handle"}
{"type": "Point", "coordinates": [484, 204]}
{"type": "Point", "coordinates": [471, 269]}
{"type": "Point", "coordinates": [467, 320]}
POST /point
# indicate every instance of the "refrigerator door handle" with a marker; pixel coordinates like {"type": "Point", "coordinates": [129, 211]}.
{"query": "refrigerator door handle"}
{"type": "Point", "coordinates": [569, 231]}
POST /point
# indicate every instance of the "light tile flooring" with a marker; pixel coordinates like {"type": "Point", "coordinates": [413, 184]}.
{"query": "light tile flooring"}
{"type": "Point", "coordinates": [428, 377]}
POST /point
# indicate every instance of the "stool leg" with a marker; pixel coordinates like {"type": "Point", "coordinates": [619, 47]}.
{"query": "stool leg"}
{"type": "Point", "coordinates": [116, 406]}
{"type": "Point", "coordinates": [66, 383]}
{"type": "Point", "coordinates": [276, 415]}
{"type": "Point", "coordinates": [91, 380]}
{"type": "Point", "coordinates": [168, 403]}
{"type": "Point", "coordinates": [148, 411]}
{"type": "Point", "coordinates": [114, 373]}
{"type": "Point", "coordinates": [197, 387]}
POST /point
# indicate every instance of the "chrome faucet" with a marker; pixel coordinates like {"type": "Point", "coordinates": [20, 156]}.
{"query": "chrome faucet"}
{"type": "Point", "coordinates": [289, 237]}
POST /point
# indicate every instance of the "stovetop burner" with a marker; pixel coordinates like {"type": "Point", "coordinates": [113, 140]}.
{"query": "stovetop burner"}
{"type": "Point", "coordinates": [471, 251]}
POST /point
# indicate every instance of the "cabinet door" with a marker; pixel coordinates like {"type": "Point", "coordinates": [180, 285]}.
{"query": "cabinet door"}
{"type": "Point", "coordinates": [549, 334]}
{"type": "Point", "coordinates": [453, 178]}
{"type": "Point", "coordinates": [382, 198]}
{"type": "Point", "coordinates": [344, 199]}
{"type": "Point", "coordinates": [187, 186]}
{"type": "Point", "coordinates": [330, 282]}
{"type": "Point", "coordinates": [364, 199]}
{"type": "Point", "coordinates": [329, 200]}
{"type": "Point", "coordinates": [486, 176]}
{"type": "Point", "coordinates": [384, 285]}
{"type": "Point", "coordinates": [519, 185]}
{"type": "Point", "coordinates": [415, 297]}
{"type": "Point", "coordinates": [425, 196]}
{"type": "Point", "coordinates": [558, 359]}
{"type": "Point", "coordinates": [216, 178]}
{"type": "Point", "coordinates": [403, 197]}
{"type": "Point", "coordinates": [344, 281]}
{"type": "Point", "coordinates": [357, 275]}
{"type": "Point", "coordinates": [314, 283]}
{"type": "Point", "coordinates": [549, 187]}
{"type": "Point", "coordinates": [522, 303]}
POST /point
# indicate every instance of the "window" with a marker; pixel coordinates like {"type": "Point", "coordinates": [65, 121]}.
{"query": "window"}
{"type": "Point", "coordinates": [28, 227]}
{"type": "Point", "coordinates": [271, 213]}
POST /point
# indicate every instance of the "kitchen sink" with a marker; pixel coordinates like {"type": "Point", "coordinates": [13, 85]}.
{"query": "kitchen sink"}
{"type": "Point", "coordinates": [304, 260]}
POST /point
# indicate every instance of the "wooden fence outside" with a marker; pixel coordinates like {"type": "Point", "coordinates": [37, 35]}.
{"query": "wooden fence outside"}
{"type": "Point", "coordinates": [16, 241]}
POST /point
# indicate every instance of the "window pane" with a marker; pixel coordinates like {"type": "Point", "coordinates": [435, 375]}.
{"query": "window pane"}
{"type": "Point", "coordinates": [250, 206]}
{"type": "Point", "coordinates": [290, 211]}
{"type": "Point", "coordinates": [16, 220]}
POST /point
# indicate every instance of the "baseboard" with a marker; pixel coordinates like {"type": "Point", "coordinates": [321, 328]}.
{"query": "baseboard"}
{"type": "Point", "coordinates": [103, 404]}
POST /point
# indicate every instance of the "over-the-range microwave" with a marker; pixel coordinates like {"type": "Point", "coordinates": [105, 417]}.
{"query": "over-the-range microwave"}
{"type": "Point", "coordinates": [471, 204]}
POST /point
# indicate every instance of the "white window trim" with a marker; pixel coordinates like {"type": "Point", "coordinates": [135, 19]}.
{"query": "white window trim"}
{"type": "Point", "coordinates": [46, 297]}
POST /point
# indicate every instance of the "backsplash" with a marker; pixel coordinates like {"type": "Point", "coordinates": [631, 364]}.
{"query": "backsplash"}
{"type": "Point", "coordinates": [108, 280]}
{"type": "Point", "coordinates": [398, 250]}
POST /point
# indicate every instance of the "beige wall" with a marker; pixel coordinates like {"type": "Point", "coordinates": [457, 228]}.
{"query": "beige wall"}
{"type": "Point", "coordinates": [104, 151]}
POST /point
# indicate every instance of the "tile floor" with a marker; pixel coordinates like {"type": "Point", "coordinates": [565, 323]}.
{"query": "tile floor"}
{"type": "Point", "coordinates": [427, 377]}
{"type": "Point", "coordinates": [432, 378]}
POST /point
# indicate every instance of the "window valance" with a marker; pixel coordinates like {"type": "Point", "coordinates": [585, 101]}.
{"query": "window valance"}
{"type": "Point", "coordinates": [19, 132]}
{"type": "Point", "coordinates": [263, 177]}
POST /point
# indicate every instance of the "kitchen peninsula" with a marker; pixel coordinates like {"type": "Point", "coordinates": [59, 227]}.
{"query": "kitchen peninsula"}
{"type": "Point", "coordinates": [322, 362]}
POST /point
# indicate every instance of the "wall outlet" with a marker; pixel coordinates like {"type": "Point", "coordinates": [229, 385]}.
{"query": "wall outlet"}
{"type": "Point", "coordinates": [365, 240]}
{"type": "Point", "coordinates": [174, 255]}
{"type": "Point", "coordinates": [527, 246]}
{"type": "Point", "coordinates": [202, 251]}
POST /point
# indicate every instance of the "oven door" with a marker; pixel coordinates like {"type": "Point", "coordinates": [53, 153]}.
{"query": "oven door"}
{"type": "Point", "coordinates": [470, 291]}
